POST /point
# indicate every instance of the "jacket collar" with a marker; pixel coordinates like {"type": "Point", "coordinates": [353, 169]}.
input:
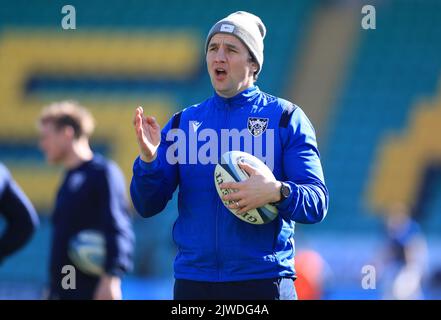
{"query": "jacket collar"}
{"type": "Point", "coordinates": [239, 99]}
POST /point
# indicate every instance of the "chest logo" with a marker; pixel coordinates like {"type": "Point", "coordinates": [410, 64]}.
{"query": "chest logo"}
{"type": "Point", "coordinates": [257, 126]}
{"type": "Point", "coordinates": [76, 181]}
{"type": "Point", "coordinates": [196, 125]}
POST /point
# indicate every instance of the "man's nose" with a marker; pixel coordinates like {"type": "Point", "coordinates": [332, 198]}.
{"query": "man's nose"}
{"type": "Point", "coordinates": [220, 55]}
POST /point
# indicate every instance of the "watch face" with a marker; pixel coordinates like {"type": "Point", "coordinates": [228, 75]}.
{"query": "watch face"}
{"type": "Point", "coordinates": [285, 190]}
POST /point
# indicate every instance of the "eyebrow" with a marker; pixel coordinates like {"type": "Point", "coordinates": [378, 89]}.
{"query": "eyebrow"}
{"type": "Point", "coordinates": [228, 45]}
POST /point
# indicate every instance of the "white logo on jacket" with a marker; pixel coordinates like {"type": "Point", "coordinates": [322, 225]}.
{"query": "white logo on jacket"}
{"type": "Point", "coordinates": [76, 180]}
{"type": "Point", "coordinates": [196, 125]}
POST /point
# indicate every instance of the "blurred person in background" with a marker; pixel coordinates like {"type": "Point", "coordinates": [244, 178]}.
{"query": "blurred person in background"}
{"type": "Point", "coordinates": [20, 216]}
{"type": "Point", "coordinates": [92, 196]}
{"type": "Point", "coordinates": [403, 262]}
{"type": "Point", "coordinates": [220, 256]}
{"type": "Point", "coordinates": [311, 273]}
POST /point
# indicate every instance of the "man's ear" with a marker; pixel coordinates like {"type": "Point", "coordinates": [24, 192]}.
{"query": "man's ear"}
{"type": "Point", "coordinates": [69, 132]}
{"type": "Point", "coordinates": [253, 66]}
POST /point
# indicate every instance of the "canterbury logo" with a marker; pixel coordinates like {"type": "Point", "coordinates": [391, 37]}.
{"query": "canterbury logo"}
{"type": "Point", "coordinates": [227, 28]}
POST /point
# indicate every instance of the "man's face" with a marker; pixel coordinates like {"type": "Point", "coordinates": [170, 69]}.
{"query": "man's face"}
{"type": "Point", "coordinates": [54, 142]}
{"type": "Point", "coordinates": [229, 65]}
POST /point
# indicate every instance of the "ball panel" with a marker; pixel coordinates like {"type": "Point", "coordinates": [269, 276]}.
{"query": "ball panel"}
{"type": "Point", "coordinates": [268, 213]}
{"type": "Point", "coordinates": [87, 251]}
{"type": "Point", "coordinates": [229, 171]}
{"type": "Point", "coordinates": [252, 216]}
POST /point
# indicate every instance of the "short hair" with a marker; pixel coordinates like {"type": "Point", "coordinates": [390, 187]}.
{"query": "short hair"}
{"type": "Point", "coordinates": [251, 58]}
{"type": "Point", "coordinates": [69, 113]}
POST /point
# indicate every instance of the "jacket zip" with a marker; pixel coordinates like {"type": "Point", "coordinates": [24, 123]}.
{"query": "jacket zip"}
{"type": "Point", "coordinates": [217, 247]}
{"type": "Point", "coordinates": [217, 239]}
{"type": "Point", "coordinates": [226, 110]}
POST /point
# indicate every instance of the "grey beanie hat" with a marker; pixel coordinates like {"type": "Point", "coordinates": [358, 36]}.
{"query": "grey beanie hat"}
{"type": "Point", "coordinates": [245, 26]}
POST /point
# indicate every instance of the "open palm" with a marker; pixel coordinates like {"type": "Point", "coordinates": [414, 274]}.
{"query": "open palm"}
{"type": "Point", "coordinates": [148, 135]}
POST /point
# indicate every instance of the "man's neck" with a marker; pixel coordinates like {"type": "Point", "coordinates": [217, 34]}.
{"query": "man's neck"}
{"type": "Point", "coordinates": [231, 94]}
{"type": "Point", "coordinates": [79, 154]}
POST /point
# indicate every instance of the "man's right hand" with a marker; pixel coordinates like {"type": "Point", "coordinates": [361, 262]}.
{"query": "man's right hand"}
{"type": "Point", "coordinates": [148, 135]}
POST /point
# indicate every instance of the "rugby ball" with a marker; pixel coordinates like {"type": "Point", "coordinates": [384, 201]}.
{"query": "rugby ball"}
{"type": "Point", "coordinates": [87, 250]}
{"type": "Point", "coordinates": [228, 170]}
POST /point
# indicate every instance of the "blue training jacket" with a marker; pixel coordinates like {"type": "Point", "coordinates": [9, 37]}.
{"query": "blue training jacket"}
{"type": "Point", "coordinates": [213, 244]}
{"type": "Point", "coordinates": [92, 196]}
{"type": "Point", "coordinates": [19, 213]}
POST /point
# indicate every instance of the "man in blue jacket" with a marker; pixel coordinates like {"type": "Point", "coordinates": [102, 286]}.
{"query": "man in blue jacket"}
{"type": "Point", "coordinates": [92, 196]}
{"type": "Point", "coordinates": [19, 213]}
{"type": "Point", "coordinates": [220, 256]}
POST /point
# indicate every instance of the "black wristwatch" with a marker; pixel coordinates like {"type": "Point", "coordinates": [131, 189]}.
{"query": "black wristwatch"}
{"type": "Point", "coordinates": [285, 192]}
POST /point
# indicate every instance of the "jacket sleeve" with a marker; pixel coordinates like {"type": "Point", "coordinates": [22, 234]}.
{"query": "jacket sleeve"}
{"type": "Point", "coordinates": [153, 183]}
{"type": "Point", "coordinates": [21, 217]}
{"type": "Point", "coordinates": [308, 202]}
{"type": "Point", "coordinates": [116, 222]}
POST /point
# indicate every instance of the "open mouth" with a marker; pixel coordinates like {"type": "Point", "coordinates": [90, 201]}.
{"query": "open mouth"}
{"type": "Point", "coordinates": [220, 72]}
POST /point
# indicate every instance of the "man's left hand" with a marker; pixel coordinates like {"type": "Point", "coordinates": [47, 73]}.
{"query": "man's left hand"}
{"type": "Point", "coordinates": [252, 193]}
{"type": "Point", "coordinates": [109, 288]}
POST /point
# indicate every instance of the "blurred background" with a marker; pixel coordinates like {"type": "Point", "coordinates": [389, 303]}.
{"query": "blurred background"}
{"type": "Point", "coordinates": [373, 95]}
